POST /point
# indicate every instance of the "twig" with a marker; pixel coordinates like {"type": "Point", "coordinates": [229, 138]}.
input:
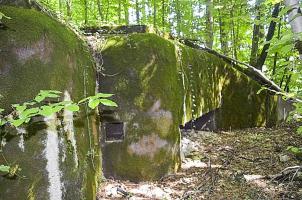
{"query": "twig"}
{"type": "Point", "coordinates": [286, 172]}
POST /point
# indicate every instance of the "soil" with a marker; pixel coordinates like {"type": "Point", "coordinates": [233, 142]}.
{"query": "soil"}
{"type": "Point", "coordinates": [239, 164]}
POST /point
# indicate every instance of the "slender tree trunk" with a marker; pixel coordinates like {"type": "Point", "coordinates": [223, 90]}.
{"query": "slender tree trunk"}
{"type": "Point", "coordinates": [178, 17]}
{"type": "Point", "coordinates": [85, 12]}
{"type": "Point", "coordinates": [107, 11]}
{"type": "Point", "coordinates": [119, 11]}
{"type": "Point", "coordinates": [137, 12]}
{"type": "Point", "coordinates": [234, 41]}
{"type": "Point", "coordinates": [269, 36]}
{"type": "Point", "coordinates": [154, 13]}
{"type": "Point", "coordinates": [143, 11]}
{"type": "Point", "coordinates": [209, 24]}
{"type": "Point", "coordinates": [60, 6]}
{"type": "Point", "coordinates": [295, 21]}
{"type": "Point", "coordinates": [192, 20]}
{"type": "Point", "coordinates": [223, 35]}
{"type": "Point", "coordinates": [69, 9]}
{"type": "Point", "coordinates": [256, 36]}
{"type": "Point", "coordinates": [163, 8]}
{"type": "Point", "coordinates": [99, 4]}
{"type": "Point", "coordinates": [126, 11]}
{"type": "Point", "coordinates": [288, 79]}
{"type": "Point", "coordinates": [276, 54]}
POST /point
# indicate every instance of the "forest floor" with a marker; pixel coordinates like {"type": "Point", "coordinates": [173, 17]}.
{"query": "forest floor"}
{"type": "Point", "coordinates": [240, 164]}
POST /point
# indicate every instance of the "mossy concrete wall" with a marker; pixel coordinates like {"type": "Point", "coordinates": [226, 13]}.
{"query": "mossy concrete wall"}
{"type": "Point", "coordinates": [59, 154]}
{"type": "Point", "coordinates": [161, 84]}
{"type": "Point", "coordinates": [146, 82]}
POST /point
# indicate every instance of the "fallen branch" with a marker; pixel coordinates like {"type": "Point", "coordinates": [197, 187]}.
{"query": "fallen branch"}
{"type": "Point", "coordinates": [289, 173]}
{"type": "Point", "coordinates": [249, 70]}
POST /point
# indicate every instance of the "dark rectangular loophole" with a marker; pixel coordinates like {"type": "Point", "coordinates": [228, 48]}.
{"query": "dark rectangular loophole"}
{"type": "Point", "coordinates": [114, 131]}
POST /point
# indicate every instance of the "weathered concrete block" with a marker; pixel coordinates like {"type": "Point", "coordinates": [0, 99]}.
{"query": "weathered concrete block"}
{"type": "Point", "coordinates": [146, 84]}
{"type": "Point", "coordinates": [161, 84]}
{"type": "Point", "coordinates": [59, 154]}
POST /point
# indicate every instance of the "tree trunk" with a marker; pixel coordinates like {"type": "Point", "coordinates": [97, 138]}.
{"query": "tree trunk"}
{"type": "Point", "coordinates": [60, 6]}
{"type": "Point", "coordinates": [107, 11]}
{"type": "Point", "coordinates": [276, 54]}
{"type": "Point", "coordinates": [178, 18]}
{"type": "Point", "coordinates": [99, 4]}
{"type": "Point", "coordinates": [295, 21]}
{"type": "Point", "coordinates": [163, 8]}
{"type": "Point", "coordinates": [137, 12]}
{"type": "Point", "coordinates": [119, 11]}
{"type": "Point", "coordinates": [269, 36]}
{"type": "Point", "coordinates": [154, 13]}
{"type": "Point", "coordinates": [209, 24]}
{"type": "Point", "coordinates": [85, 12]}
{"type": "Point", "coordinates": [69, 9]}
{"type": "Point", "coordinates": [223, 35]}
{"type": "Point", "coordinates": [234, 38]}
{"type": "Point", "coordinates": [126, 11]}
{"type": "Point", "coordinates": [256, 35]}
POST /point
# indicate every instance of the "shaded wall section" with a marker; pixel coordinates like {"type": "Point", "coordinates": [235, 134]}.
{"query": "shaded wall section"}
{"type": "Point", "coordinates": [59, 154]}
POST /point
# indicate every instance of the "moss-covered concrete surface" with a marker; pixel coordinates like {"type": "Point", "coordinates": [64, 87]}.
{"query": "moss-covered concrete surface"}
{"type": "Point", "coordinates": [58, 155]}
{"type": "Point", "coordinates": [161, 84]}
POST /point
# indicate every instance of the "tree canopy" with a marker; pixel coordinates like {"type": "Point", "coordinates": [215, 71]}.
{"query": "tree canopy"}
{"type": "Point", "coordinates": [254, 31]}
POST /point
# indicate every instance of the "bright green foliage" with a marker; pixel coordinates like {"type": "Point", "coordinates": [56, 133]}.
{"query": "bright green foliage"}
{"type": "Point", "coordinates": [232, 25]}
{"type": "Point", "coordinates": [296, 151]}
{"type": "Point", "coordinates": [40, 106]}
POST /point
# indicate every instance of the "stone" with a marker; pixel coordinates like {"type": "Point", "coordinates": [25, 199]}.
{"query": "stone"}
{"type": "Point", "coordinates": [283, 158]}
{"type": "Point", "coordinates": [250, 178]}
{"type": "Point", "coordinates": [149, 191]}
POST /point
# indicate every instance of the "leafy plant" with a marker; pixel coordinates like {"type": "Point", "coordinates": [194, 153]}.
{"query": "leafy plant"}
{"type": "Point", "coordinates": [46, 103]}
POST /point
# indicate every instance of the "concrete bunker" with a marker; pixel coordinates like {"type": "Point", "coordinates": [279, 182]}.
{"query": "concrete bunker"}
{"type": "Point", "coordinates": [161, 84]}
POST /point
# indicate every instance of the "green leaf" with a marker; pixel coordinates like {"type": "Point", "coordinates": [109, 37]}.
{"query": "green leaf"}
{"type": "Point", "coordinates": [83, 100]}
{"type": "Point", "coordinates": [29, 112]}
{"type": "Point", "coordinates": [287, 48]}
{"type": "Point", "coordinates": [2, 122]}
{"type": "Point", "coordinates": [108, 102]}
{"type": "Point", "coordinates": [39, 98]}
{"type": "Point", "coordinates": [72, 107]}
{"type": "Point", "coordinates": [4, 168]}
{"type": "Point", "coordinates": [21, 108]}
{"type": "Point", "coordinates": [57, 108]}
{"type": "Point", "coordinates": [46, 111]}
{"type": "Point", "coordinates": [103, 95]}
{"type": "Point", "coordinates": [50, 91]}
{"type": "Point", "coordinates": [294, 150]}
{"type": "Point", "coordinates": [17, 122]}
{"type": "Point", "coordinates": [29, 103]}
{"type": "Point", "coordinates": [1, 110]}
{"type": "Point", "coordinates": [52, 95]}
{"type": "Point", "coordinates": [94, 103]}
